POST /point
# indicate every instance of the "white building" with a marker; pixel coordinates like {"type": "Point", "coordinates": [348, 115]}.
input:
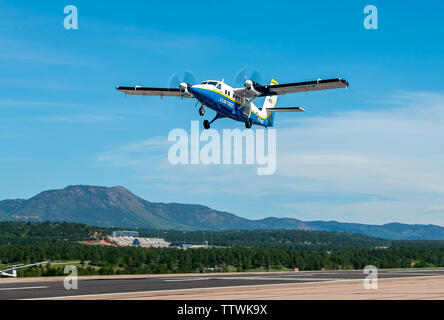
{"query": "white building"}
{"type": "Point", "coordinates": [140, 242]}
{"type": "Point", "coordinates": [124, 233]}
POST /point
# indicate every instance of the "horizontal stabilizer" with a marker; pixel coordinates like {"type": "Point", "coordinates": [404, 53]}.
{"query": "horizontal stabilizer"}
{"type": "Point", "coordinates": [290, 109]}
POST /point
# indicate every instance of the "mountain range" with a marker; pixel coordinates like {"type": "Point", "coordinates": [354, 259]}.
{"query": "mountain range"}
{"type": "Point", "coordinates": [118, 207]}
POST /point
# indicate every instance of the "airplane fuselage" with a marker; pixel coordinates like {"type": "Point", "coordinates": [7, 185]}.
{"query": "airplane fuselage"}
{"type": "Point", "coordinates": [221, 98]}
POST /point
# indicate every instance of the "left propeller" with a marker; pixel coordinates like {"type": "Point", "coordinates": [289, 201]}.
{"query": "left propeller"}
{"type": "Point", "coordinates": [183, 84]}
{"type": "Point", "coordinates": [175, 81]}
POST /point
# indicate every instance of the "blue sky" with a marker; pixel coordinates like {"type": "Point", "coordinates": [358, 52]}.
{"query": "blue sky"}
{"type": "Point", "coordinates": [371, 154]}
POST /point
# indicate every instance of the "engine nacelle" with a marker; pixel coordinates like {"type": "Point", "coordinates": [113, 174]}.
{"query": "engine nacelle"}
{"type": "Point", "coordinates": [248, 85]}
{"type": "Point", "coordinates": [183, 87]}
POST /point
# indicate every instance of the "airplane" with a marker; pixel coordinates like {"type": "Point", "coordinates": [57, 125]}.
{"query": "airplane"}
{"type": "Point", "coordinates": [237, 103]}
{"type": "Point", "coordinates": [14, 268]}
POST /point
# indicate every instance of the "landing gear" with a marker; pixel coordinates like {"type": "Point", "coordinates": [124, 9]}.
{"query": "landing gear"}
{"type": "Point", "coordinates": [248, 123]}
{"type": "Point", "coordinates": [207, 123]}
{"type": "Point", "coordinates": [202, 110]}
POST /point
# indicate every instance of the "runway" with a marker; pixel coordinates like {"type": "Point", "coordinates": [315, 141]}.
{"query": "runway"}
{"type": "Point", "coordinates": [211, 286]}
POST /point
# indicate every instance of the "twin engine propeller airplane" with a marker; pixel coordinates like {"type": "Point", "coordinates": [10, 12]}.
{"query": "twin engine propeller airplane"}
{"type": "Point", "coordinates": [237, 103]}
{"type": "Point", "coordinates": [14, 268]}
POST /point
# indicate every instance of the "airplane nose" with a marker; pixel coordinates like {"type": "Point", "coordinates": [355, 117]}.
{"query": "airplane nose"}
{"type": "Point", "coordinates": [195, 91]}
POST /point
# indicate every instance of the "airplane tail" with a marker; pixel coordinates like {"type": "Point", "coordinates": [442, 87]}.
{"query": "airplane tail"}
{"type": "Point", "coordinates": [270, 103]}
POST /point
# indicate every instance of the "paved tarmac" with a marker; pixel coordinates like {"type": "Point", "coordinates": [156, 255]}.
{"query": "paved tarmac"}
{"type": "Point", "coordinates": [124, 287]}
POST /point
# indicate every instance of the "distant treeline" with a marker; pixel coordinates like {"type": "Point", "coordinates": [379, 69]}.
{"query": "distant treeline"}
{"type": "Point", "coordinates": [233, 251]}
{"type": "Point", "coordinates": [131, 260]}
{"type": "Point", "coordinates": [13, 231]}
{"type": "Point", "coordinates": [27, 232]}
{"type": "Point", "coordinates": [288, 239]}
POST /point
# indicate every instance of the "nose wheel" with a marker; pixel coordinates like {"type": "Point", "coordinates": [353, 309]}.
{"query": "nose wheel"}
{"type": "Point", "coordinates": [206, 124]}
{"type": "Point", "coordinates": [202, 110]}
{"type": "Point", "coordinates": [248, 123]}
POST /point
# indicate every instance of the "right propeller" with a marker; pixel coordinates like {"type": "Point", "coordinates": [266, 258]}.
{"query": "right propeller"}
{"type": "Point", "coordinates": [241, 77]}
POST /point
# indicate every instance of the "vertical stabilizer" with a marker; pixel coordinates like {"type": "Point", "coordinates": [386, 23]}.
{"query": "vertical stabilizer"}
{"type": "Point", "coordinates": [269, 103]}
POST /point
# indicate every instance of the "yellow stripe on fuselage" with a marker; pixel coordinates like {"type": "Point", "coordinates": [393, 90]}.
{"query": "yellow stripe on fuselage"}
{"type": "Point", "coordinates": [240, 102]}
{"type": "Point", "coordinates": [223, 95]}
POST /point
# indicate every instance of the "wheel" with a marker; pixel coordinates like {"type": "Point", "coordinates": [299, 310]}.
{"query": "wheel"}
{"type": "Point", "coordinates": [202, 110]}
{"type": "Point", "coordinates": [248, 124]}
{"type": "Point", "coordinates": [206, 124]}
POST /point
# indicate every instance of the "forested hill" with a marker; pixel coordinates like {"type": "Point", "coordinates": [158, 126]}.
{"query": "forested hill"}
{"type": "Point", "coordinates": [118, 207]}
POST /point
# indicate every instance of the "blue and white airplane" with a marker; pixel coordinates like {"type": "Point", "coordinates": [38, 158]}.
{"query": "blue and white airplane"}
{"type": "Point", "coordinates": [237, 103]}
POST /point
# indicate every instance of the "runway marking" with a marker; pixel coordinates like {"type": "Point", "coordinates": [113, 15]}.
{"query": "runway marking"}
{"type": "Point", "coordinates": [255, 279]}
{"type": "Point", "coordinates": [415, 271]}
{"type": "Point", "coordinates": [23, 288]}
{"type": "Point", "coordinates": [186, 279]}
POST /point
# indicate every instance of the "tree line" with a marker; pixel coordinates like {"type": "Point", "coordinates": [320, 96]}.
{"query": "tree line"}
{"type": "Point", "coordinates": [14, 232]}
{"type": "Point", "coordinates": [132, 260]}
{"type": "Point", "coordinates": [232, 251]}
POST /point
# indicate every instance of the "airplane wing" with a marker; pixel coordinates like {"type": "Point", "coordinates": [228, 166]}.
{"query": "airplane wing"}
{"type": "Point", "coordinates": [160, 92]}
{"type": "Point", "coordinates": [291, 109]}
{"type": "Point", "coordinates": [317, 85]}
{"type": "Point", "coordinates": [23, 266]}
{"type": "Point", "coordinates": [280, 89]}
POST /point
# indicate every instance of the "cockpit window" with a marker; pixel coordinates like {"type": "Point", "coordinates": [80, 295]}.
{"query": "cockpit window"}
{"type": "Point", "coordinates": [212, 83]}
